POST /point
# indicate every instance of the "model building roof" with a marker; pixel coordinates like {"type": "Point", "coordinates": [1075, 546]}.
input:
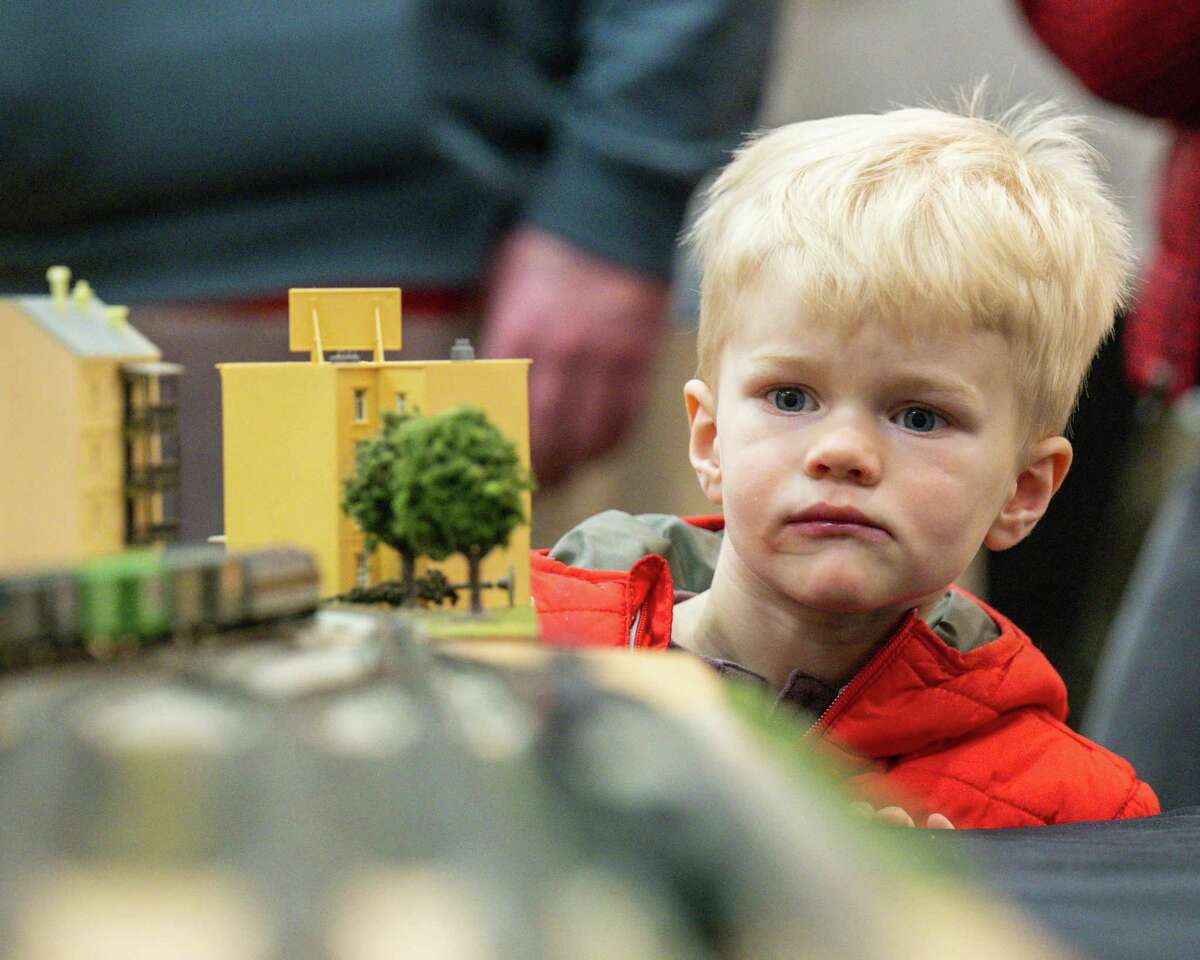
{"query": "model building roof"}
{"type": "Point", "coordinates": [85, 328]}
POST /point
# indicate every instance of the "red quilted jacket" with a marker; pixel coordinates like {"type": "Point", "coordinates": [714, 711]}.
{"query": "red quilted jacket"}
{"type": "Point", "coordinates": [978, 736]}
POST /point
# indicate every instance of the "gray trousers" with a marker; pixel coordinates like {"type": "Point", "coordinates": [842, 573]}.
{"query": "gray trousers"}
{"type": "Point", "coordinates": [1145, 701]}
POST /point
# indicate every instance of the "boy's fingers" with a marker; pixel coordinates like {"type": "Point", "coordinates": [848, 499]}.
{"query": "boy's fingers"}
{"type": "Point", "coordinates": [896, 816]}
{"type": "Point", "coordinates": [899, 817]}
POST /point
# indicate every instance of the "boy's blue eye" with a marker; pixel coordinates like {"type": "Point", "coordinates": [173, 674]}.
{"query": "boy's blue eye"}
{"type": "Point", "coordinates": [920, 420]}
{"type": "Point", "coordinates": [790, 399]}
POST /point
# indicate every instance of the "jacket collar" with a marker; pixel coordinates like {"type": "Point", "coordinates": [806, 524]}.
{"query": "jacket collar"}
{"type": "Point", "coordinates": [917, 691]}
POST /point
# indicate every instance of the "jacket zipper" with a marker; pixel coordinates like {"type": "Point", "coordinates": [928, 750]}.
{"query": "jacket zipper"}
{"type": "Point", "coordinates": [639, 620]}
{"type": "Point", "coordinates": [640, 625]}
{"type": "Point", "coordinates": [858, 681]}
{"type": "Point", "coordinates": [824, 713]}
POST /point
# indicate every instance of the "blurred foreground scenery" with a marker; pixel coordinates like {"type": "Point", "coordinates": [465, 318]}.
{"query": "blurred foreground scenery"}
{"type": "Point", "coordinates": [337, 786]}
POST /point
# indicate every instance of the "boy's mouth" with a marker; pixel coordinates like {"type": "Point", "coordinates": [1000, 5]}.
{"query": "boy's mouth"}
{"type": "Point", "coordinates": [826, 520]}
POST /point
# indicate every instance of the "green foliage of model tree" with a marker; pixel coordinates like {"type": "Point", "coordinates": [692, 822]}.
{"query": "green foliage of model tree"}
{"type": "Point", "coordinates": [456, 484]}
{"type": "Point", "coordinates": [433, 486]}
{"type": "Point", "coordinates": [367, 496]}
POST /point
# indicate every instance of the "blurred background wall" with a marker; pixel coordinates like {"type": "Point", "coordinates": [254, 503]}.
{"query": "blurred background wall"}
{"type": "Point", "coordinates": [851, 56]}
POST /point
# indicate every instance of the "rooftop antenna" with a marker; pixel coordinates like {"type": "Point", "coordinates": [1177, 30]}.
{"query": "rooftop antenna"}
{"type": "Point", "coordinates": [59, 278]}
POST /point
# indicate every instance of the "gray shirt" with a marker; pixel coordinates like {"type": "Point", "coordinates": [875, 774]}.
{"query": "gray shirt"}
{"type": "Point", "coordinates": [175, 150]}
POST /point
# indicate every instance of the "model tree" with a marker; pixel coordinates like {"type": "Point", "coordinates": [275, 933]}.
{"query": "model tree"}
{"type": "Point", "coordinates": [433, 486]}
{"type": "Point", "coordinates": [456, 483]}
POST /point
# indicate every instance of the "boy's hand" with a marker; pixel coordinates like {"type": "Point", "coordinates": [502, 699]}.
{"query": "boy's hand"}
{"type": "Point", "coordinates": [899, 817]}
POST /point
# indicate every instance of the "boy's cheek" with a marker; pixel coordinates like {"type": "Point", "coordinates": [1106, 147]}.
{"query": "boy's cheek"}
{"type": "Point", "coordinates": [747, 500]}
{"type": "Point", "coordinates": [750, 485]}
{"type": "Point", "coordinates": [943, 517]}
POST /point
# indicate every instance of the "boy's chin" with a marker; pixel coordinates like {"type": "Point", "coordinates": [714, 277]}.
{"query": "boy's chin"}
{"type": "Point", "coordinates": [843, 601]}
{"type": "Point", "coordinates": [841, 598]}
{"type": "Point", "coordinates": [839, 606]}
{"type": "Point", "coordinates": [848, 596]}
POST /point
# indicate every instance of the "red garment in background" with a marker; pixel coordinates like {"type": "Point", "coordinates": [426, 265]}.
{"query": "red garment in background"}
{"type": "Point", "coordinates": [1145, 55]}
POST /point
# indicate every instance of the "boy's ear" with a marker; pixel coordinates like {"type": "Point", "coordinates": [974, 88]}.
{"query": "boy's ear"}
{"type": "Point", "coordinates": [703, 449]}
{"type": "Point", "coordinates": [1049, 461]}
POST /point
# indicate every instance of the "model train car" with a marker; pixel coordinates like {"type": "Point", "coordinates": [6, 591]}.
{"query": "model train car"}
{"type": "Point", "coordinates": [138, 597]}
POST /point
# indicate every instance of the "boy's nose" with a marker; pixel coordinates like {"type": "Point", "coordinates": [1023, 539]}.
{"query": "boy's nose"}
{"type": "Point", "coordinates": [844, 452]}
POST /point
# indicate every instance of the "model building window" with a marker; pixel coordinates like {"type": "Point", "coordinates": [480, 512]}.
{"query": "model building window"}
{"type": "Point", "coordinates": [401, 403]}
{"type": "Point", "coordinates": [361, 573]}
{"type": "Point", "coordinates": [360, 406]}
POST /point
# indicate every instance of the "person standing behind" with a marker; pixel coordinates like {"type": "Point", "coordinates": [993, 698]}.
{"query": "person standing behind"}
{"type": "Point", "coordinates": [520, 168]}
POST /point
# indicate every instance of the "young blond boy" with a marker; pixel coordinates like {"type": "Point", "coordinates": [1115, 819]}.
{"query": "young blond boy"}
{"type": "Point", "coordinates": [897, 314]}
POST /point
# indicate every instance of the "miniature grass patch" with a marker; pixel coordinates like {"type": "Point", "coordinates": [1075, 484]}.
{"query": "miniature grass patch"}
{"type": "Point", "coordinates": [506, 623]}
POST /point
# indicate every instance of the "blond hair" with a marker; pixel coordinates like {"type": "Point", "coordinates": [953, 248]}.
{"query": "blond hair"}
{"type": "Point", "coordinates": [927, 219]}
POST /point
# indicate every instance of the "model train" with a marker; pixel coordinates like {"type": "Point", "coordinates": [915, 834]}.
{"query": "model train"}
{"type": "Point", "coordinates": [141, 596]}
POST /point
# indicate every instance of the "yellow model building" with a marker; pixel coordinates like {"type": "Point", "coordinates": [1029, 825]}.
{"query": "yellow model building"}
{"type": "Point", "coordinates": [83, 414]}
{"type": "Point", "coordinates": [290, 431]}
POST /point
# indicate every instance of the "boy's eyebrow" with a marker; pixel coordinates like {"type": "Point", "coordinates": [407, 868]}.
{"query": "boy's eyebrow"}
{"type": "Point", "coordinates": [947, 385]}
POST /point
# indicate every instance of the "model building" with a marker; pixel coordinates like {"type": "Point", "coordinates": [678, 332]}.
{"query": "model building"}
{"type": "Point", "coordinates": [290, 432]}
{"type": "Point", "coordinates": [87, 415]}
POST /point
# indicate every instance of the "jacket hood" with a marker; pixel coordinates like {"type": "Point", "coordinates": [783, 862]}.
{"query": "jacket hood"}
{"type": "Point", "coordinates": [614, 540]}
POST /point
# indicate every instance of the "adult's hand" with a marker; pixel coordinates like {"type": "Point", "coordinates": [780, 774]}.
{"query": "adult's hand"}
{"type": "Point", "coordinates": [592, 328]}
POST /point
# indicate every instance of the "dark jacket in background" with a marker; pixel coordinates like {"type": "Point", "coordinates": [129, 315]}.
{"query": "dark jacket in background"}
{"type": "Point", "coordinates": [170, 150]}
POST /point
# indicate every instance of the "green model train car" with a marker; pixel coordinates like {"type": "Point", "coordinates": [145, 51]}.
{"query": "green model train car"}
{"type": "Point", "coordinates": [124, 597]}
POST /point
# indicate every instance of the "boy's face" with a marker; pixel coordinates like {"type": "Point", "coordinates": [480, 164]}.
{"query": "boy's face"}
{"type": "Point", "coordinates": [862, 472]}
